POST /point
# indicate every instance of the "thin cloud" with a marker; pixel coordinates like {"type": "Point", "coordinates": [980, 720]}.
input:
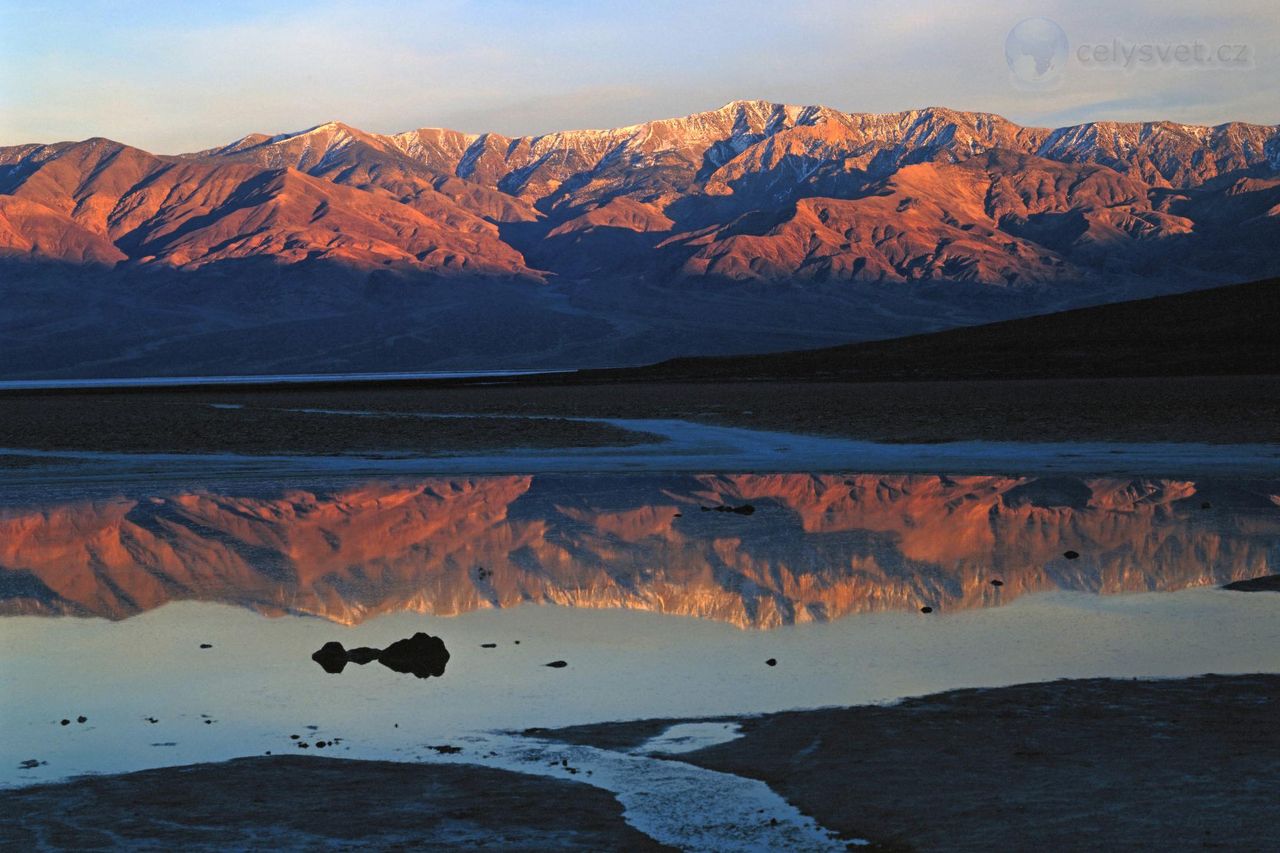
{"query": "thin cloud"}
{"type": "Point", "coordinates": [173, 77]}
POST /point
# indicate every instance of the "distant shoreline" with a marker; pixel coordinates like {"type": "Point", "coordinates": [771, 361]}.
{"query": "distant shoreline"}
{"type": "Point", "coordinates": [452, 417]}
{"type": "Point", "coordinates": [263, 381]}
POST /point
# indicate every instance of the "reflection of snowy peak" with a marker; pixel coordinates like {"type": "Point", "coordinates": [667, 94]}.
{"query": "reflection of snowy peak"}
{"type": "Point", "coordinates": [817, 547]}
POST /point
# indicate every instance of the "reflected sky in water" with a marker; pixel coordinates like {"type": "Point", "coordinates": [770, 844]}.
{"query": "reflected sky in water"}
{"type": "Point", "coordinates": [816, 548]}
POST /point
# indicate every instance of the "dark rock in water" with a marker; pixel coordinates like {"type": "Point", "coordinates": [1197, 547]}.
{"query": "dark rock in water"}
{"type": "Point", "coordinates": [678, 515]}
{"type": "Point", "coordinates": [488, 645]}
{"type": "Point", "coordinates": [31, 763]}
{"type": "Point", "coordinates": [926, 609]}
{"type": "Point", "coordinates": [1206, 505]}
{"type": "Point", "coordinates": [302, 744]}
{"type": "Point", "coordinates": [320, 744]}
{"type": "Point", "coordinates": [997, 582]}
{"type": "Point", "coordinates": [82, 719]}
{"type": "Point", "coordinates": [558, 664]}
{"type": "Point", "coordinates": [332, 657]}
{"type": "Point", "coordinates": [363, 655]}
{"type": "Point", "coordinates": [1071, 555]}
{"type": "Point", "coordinates": [421, 655]}
{"type": "Point", "coordinates": [447, 749]}
{"type": "Point", "coordinates": [151, 720]}
{"type": "Point", "coordinates": [771, 662]}
{"type": "Point", "coordinates": [745, 509]}
{"type": "Point", "coordinates": [705, 508]}
{"type": "Point", "coordinates": [517, 642]}
{"type": "Point", "coordinates": [66, 722]}
{"type": "Point", "coordinates": [206, 645]}
{"type": "Point", "coordinates": [295, 737]}
{"type": "Point", "coordinates": [1267, 583]}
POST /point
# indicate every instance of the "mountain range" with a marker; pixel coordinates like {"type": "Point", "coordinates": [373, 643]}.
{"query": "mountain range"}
{"type": "Point", "coordinates": [757, 226]}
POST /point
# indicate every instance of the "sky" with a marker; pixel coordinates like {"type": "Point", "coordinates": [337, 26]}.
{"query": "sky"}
{"type": "Point", "coordinates": [172, 76]}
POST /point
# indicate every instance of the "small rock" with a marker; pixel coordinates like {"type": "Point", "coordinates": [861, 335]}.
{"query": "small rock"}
{"type": "Point", "coordinates": [517, 642]}
{"type": "Point", "coordinates": [1071, 555]}
{"type": "Point", "coordinates": [447, 749]}
{"type": "Point", "coordinates": [82, 719]}
{"type": "Point", "coordinates": [771, 662]}
{"type": "Point", "coordinates": [558, 664]}
{"type": "Point", "coordinates": [1206, 505]}
{"type": "Point", "coordinates": [332, 657]}
{"type": "Point", "coordinates": [295, 737]}
{"type": "Point", "coordinates": [363, 655]}
{"type": "Point", "coordinates": [30, 763]}
{"type": "Point", "coordinates": [321, 744]}
{"type": "Point", "coordinates": [151, 720]}
{"type": "Point", "coordinates": [997, 583]}
{"type": "Point", "coordinates": [421, 655]}
{"type": "Point", "coordinates": [206, 645]}
{"type": "Point", "coordinates": [66, 722]}
{"type": "Point", "coordinates": [926, 609]}
{"type": "Point", "coordinates": [488, 645]}
{"type": "Point", "coordinates": [208, 722]}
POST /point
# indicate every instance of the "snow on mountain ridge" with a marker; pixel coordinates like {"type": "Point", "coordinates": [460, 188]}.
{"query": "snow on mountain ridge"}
{"type": "Point", "coordinates": [536, 165]}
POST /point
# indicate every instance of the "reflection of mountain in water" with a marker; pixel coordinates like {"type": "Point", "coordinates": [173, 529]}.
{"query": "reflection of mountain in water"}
{"type": "Point", "coordinates": [817, 547]}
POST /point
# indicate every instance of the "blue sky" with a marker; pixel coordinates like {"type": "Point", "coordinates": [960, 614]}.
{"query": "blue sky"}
{"type": "Point", "coordinates": [172, 76]}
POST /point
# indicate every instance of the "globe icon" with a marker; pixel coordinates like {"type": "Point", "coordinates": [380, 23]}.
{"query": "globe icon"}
{"type": "Point", "coordinates": [1036, 50]}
